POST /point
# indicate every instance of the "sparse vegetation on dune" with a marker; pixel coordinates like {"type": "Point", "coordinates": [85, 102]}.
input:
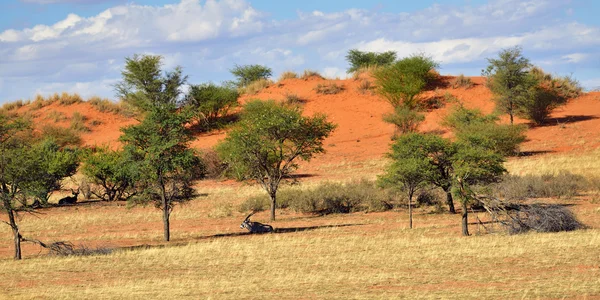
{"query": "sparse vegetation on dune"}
{"type": "Point", "coordinates": [328, 88]}
{"type": "Point", "coordinates": [307, 74]}
{"type": "Point", "coordinates": [288, 75]}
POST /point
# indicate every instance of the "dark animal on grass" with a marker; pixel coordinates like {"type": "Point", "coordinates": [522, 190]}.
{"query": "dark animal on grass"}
{"type": "Point", "coordinates": [255, 227]}
{"type": "Point", "coordinates": [69, 199]}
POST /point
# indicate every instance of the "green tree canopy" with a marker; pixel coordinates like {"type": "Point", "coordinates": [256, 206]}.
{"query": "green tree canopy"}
{"type": "Point", "coordinates": [144, 85]}
{"type": "Point", "coordinates": [507, 78]}
{"type": "Point", "coordinates": [114, 172]}
{"type": "Point", "coordinates": [248, 73]}
{"type": "Point", "coordinates": [400, 82]}
{"type": "Point", "coordinates": [160, 143]}
{"type": "Point", "coordinates": [211, 102]}
{"type": "Point", "coordinates": [269, 140]}
{"type": "Point", "coordinates": [359, 59]}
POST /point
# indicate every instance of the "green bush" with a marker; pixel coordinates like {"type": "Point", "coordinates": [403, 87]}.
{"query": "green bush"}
{"type": "Point", "coordinates": [62, 136]}
{"type": "Point", "coordinates": [212, 102]}
{"type": "Point", "coordinates": [113, 173]}
{"type": "Point", "coordinates": [358, 59]}
{"type": "Point", "coordinates": [406, 120]}
{"type": "Point", "coordinates": [403, 80]}
{"type": "Point", "coordinates": [474, 128]}
{"type": "Point", "coordinates": [250, 73]}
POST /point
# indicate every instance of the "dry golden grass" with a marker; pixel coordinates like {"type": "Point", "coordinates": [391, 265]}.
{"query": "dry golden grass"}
{"type": "Point", "coordinates": [255, 87]}
{"type": "Point", "coordinates": [586, 163]}
{"type": "Point", "coordinates": [354, 256]}
{"type": "Point", "coordinates": [288, 75]}
{"type": "Point", "coordinates": [325, 263]}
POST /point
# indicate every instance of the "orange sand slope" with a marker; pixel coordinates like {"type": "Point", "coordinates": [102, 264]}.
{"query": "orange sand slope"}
{"type": "Point", "coordinates": [361, 134]}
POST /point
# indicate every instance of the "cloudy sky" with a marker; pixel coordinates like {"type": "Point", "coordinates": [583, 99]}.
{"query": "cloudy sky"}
{"type": "Point", "coordinates": [49, 46]}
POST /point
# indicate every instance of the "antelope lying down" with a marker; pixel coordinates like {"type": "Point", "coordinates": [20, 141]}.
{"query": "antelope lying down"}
{"type": "Point", "coordinates": [255, 227]}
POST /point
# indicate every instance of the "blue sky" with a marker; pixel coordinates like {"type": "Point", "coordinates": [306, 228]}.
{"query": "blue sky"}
{"type": "Point", "coordinates": [49, 46]}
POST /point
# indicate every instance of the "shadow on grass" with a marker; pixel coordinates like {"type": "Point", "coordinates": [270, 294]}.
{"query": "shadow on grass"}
{"type": "Point", "coordinates": [567, 120]}
{"type": "Point", "coordinates": [276, 230]}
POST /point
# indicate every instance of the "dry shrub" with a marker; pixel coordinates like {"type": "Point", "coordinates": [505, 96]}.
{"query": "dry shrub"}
{"type": "Point", "coordinates": [288, 75]}
{"type": "Point", "coordinates": [12, 105]}
{"type": "Point", "coordinates": [86, 189]}
{"type": "Point", "coordinates": [214, 165]}
{"type": "Point", "coordinates": [311, 73]}
{"type": "Point", "coordinates": [68, 249]}
{"type": "Point", "coordinates": [62, 136]}
{"type": "Point", "coordinates": [541, 218]}
{"type": "Point", "coordinates": [78, 122]}
{"type": "Point", "coordinates": [68, 99]}
{"type": "Point", "coordinates": [328, 198]}
{"type": "Point", "coordinates": [56, 116]}
{"type": "Point", "coordinates": [328, 89]}
{"type": "Point", "coordinates": [255, 87]}
{"type": "Point", "coordinates": [365, 86]}
{"type": "Point", "coordinates": [105, 105]}
{"type": "Point", "coordinates": [293, 99]}
{"type": "Point", "coordinates": [461, 81]}
{"type": "Point", "coordinates": [561, 185]}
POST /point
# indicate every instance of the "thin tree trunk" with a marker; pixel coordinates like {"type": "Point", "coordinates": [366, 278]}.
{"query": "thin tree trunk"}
{"type": "Point", "coordinates": [273, 204]}
{"type": "Point", "coordinates": [15, 230]}
{"type": "Point", "coordinates": [465, 220]}
{"type": "Point", "coordinates": [410, 218]}
{"type": "Point", "coordinates": [165, 209]}
{"type": "Point", "coordinates": [449, 200]}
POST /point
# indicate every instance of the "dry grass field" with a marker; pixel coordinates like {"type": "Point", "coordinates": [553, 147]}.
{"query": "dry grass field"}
{"type": "Point", "coordinates": [353, 256]}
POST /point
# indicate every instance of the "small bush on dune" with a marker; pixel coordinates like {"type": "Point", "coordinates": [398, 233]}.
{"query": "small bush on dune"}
{"type": "Point", "coordinates": [311, 73]}
{"type": "Point", "coordinates": [78, 122]}
{"type": "Point", "coordinates": [293, 99]}
{"type": "Point", "coordinates": [359, 59]}
{"type": "Point", "coordinates": [212, 102]}
{"type": "Point", "coordinates": [405, 119]}
{"type": "Point", "coordinates": [255, 87]}
{"type": "Point", "coordinates": [249, 74]}
{"type": "Point", "coordinates": [365, 86]}
{"type": "Point", "coordinates": [68, 99]}
{"type": "Point", "coordinates": [56, 116]}
{"type": "Point", "coordinates": [62, 136]}
{"type": "Point", "coordinates": [328, 89]}
{"type": "Point", "coordinates": [12, 105]}
{"type": "Point", "coordinates": [461, 81]}
{"type": "Point", "coordinates": [288, 75]}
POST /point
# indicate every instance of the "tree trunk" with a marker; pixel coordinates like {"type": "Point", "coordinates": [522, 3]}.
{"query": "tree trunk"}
{"type": "Point", "coordinates": [465, 220]}
{"type": "Point", "coordinates": [15, 230]}
{"type": "Point", "coordinates": [165, 209]}
{"type": "Point", "coordinates": [449, 200]}
{"type": "Point", "coordinates": [273, 196]}
{"type": "Point", "coordinates": [410, 195]}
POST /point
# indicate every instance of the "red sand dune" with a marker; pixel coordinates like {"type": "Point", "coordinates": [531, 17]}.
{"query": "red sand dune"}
{"type": "Point", "coordinates": [361, 134]}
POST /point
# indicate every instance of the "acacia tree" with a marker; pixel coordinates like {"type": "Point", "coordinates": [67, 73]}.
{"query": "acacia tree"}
{"type": "Point", "coordinates": [54, 164]}
{"type": "Point", "coordinates": [160, 143]}
{"type": "Point", "coordinates": [268, 141]}
{"type": "Point", "coordinates": [359, 59]}
{"type": "Point", "coordinates": [248, 73]}
{"type": "Point", "coordinates": [473, 165]}
{"type": "Point", "coordinates": [409, 171]}
{"type": "Point", "coordinates": [114, 172]}
{"type": "Point", "coordinates": [508, 79]}
{"type": "Point", "coordinates": [401, 82]}
{"type": "Point", "coordinates": [23, 171]}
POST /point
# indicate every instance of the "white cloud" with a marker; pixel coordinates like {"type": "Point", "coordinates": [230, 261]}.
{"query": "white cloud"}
{"type": "Point", "coordinates": [575, 57]}
{"type": "Point", "coordinates": [334, 72]}
{"type": "Point", "coordinates": [591, 84]}
{"type": "Point", "coordinates": [102, 87]}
